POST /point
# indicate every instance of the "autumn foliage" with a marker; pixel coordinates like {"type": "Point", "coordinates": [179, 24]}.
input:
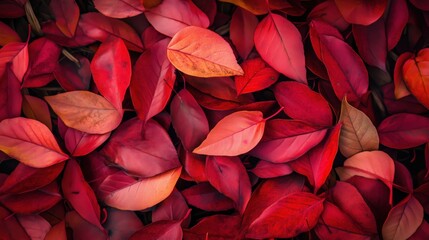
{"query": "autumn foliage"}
{"type": "Point", "coordinates": [206, 119]}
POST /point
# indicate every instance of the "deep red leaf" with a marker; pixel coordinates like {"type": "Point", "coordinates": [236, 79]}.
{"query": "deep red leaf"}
{"type": "Point", "coordinates": [286, 140]}
{"type": "Point", "coordinates": [279, 43]}
{"type": "Point", "coordinates": [111, 70]}
{"type": "Point", "coordinates": [37, 109]}
{"type": "Point", "coordinates": [10, 227]}
{"type": "Point", "coordinates": [66, 14]}
{"type": "Point", "coordinates": [72, 77]}
{"type": "Point", "coordinates": [79, 194]}
{"type": "Point", "coordinates": [30, 142]}
{"type": "Point", "coordinates": [404, 130]}
{"type": "Point", "coordinates": [242, 30]}
{"type": "Point", "coordinates": [188, 119]}
{"type": "Point", "coordinates": [80, 143]}
{"type": "Point", "coordinates": [362, 12]}
{"type": "Point", "coordinates": [229, 176]}
{"type": "Point", "coordinates": [141, 149]}
{"type": "Point", "coordinates": [346, 70]}
{"type": "Point", "coordinates": [205, 197]}
{"type": "Point", "coordinates": [401, 89]}
{"type": "Point", "coordinates": [415, 73]}
{"type": "Point", "coordinates": [422, 4]}
{"type": "Point", "coordinates": [171, 16]}
{"type": "Point", "coordinates": [317, 163]}
{"type": "Point", "coordinates": [57, 232]}
{"type": "Point", "coordinates": [7, 34]}
{"type": "Point", "coordinates": [99, 27]}
{"type": "Point", "coordinates": [327, 11]}
{"type": "Point", "coordinates": [172, 208]}
{"type": "Point", "coordinates": [120, 9]}
{"type": "Point", "coordinates": [81, 229]}
{"type": "Point", "coordinates": [121, 224]}
{"type": "Point", "coordinates": [152, 81]}
{"type": "Point", "coordinates": [216, 227]}
{"type": "Point", "coordinates": [301, 103]}
{"type": "Point", "coordinates": [193, 165]}
{"type": "Point", "coordinates": [16, 54]}
{"type": "Point", "coordinates": [257, 76]}
{"type": "Point", "coordinates": [265, 169]}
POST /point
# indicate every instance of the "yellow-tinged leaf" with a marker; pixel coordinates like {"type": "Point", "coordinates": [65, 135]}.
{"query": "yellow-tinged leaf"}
{"type": "Point", "coordinates": [358, 133]}
{"type": "Point", "coordinates": [145, 193]}
{"type": "Point", "coordinates": [200, 52]}
{"type": "Point", "coordinates": [86, 111]}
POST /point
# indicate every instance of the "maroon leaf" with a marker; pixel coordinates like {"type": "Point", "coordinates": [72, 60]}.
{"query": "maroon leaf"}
{"type": "Point", "coordinates": [66, 15]}
{"type": "Point", "coordinates": [362, 12]}
{"type": "Point", "coordinates": [265, 169]}
{"type": "Point", "coordinates": [242, 29]}
{"type": "Point", "coordinates": [228, 176]}
{"type": "Point", "coordinates": [216, 227]}
{"type": "Point", "coordinates": [121, 224]}
{"type": "Point", "coordinates": [119, 9]}
{"type": "Point", "coordinates": [205, 197]}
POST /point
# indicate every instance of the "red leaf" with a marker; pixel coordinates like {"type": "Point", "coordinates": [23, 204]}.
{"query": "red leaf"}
{"type": "Point", "coordinates": [152, 81]}
{"type": "Point", "coordinates": [33, 202]}
{"type": "Point", "coordinates": [111, 70]}
{"type": "Point", "coordinates": [279, 43]}
{"type": "Point", "coordinates": [35, 226]}
{"type": "Point", "coordinates": [301, 103]}
{"type": "Point", "coordinates": [193, 164]}
{"type": "Point", "coordinates": [30, 142]}
{"type": "Point", "coordinates": [230, 139]}
{"type": "Point", "coordinates": [265, 169]}
{"type": "Point", "coordinates": [421, 4]}
{"type": "Point", "coordinates": [416, 75]}
{"type": "Point", "coordinates": [257, 76]}
{"type": "Point", "coordinates": [188, 119]}
{"type": "Point", "coordinates": [202, 53]}
{"type": "Point", "coordinates": [66, 14]}
{"type": "Point", "coordinates": [100, 27]}
{"type": "Point", "coordinates": [10, 94]}
{"type": "Point", "coordinates": [317, 163]}
{"type": "Point", "coordinates": [346, 70]}
{"type": "Point", "coordinates": [81, 229]}
{"type": "Point", "coordinates": [141, 149]}
{"type": "Point", "coordinates": [242, 30]}
{"type": "Point", "coordinates": [172, 208]}
{"type": "Point", "coordinates": [10, 227]}
{"type": "Point", "coordinates": [57, 232]}
{"type": "Point", "coordinates": [229, 176]}
{"type": "Point", "coordinates": [403, 219]}
{"type": "Point", "coordinates": [16, 54]}
{"type": "Point", "coordinates": [37, 109]}
{"type": "Point", "coordinates": [72, 77]}
{"type": "Point", "coordinates": [267, 194]}
{"type": "Point", "coordinates": [7, 35]}
{"type": "Point", "coordinates": [24, 179]}
{"type": "Point", "coordinates": [79, 194]}
{"type": "Point", "coordinates": [286, 140]}
{"type": "Point", "coordinates": [171, 16]}
{"type": "Point", "coordinates": [347, 211]}
{"type": "Point", "coordinates": [80, 143]}
{"type": "Point", "coordinates": [121, 224]}
{"type": "Point", "coordinates": [404, 130]}
{"type": "Point", "coordinates": [287, 217]}
{"type": "Point", "coordinates": [401, 89]}
{"type": "Point", "coordinates": [119, 9]}
{"type": "Point", "coordinates": [205, 197]}
{"type": "Point", "coordinates": [85, 111]}
{"type": "Point", "coordinates": [362, 12]}
{"type": "Point", "coordinates": [327, 11]}
{"type": "Point", "coordinates": [216, 227]}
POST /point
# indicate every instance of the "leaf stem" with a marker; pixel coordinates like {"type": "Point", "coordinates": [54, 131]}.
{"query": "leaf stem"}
{"type": "Point", "coordinates": [273, 115]}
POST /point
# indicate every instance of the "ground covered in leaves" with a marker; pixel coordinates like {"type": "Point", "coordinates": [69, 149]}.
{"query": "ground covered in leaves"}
{"type": "Point", "coordinates": [205, 119]}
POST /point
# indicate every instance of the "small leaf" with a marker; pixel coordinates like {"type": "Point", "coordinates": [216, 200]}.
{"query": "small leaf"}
{"type": "Point", "coordinates": [279, 43]}
{"type": "Point", "coordinates": [401, 89]}
{"type": "Point", "coordinates": [257, 76]}
{"type": "Point", "coordinates": [403, 219]}
{"type": "Point", "coordinates": [357, 133]}
{"type": "Point", "coordinates": [120, 9]}
{"type": "Point", "coordinates": [85, 111]}
{"type": "Point", "coordinates": [202, 53]}
{"type": "Point", "coordinates": [30, 142]}
{"type": "Point", "coordinates": [416, 76]}
{"type": "Point", "coordinates": [66, 14]}
{"type": "Point", "coordinates": [228, 138]}
{"type": "Point", "coordinates": [362, 12]}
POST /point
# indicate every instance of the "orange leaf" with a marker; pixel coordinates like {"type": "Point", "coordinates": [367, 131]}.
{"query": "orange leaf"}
{"type": "Point", "coordinates": [235, 134]}
{"type": "Point", "coordinates": [85, 111]}
{"type": "Point", "coordinates": [30, 142]}
{"type": "Point", "coordinates": [416, 76]}
{"type": "Point", "coordinates": [403, 219]}
{"type": "Point", "coordinates": [202, 53]}
{"type": "Point", "coordinates": [145, 193]}
{"type": "Point", "coordinates": [358, 133]}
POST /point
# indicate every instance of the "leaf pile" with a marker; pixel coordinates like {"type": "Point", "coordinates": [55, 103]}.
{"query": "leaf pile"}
{"type": "Point", "coordinates": [205, 119]}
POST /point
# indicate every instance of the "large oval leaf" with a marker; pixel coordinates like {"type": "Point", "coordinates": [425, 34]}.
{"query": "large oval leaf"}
{"type": "Point", "coordinates": [286, 140]}
{"type": "Point", "coordinates": [85, 111]}
{"type": "Point", "coordinates": [171, 16]}
{"type": "Point", "coordinates": [229, 176]}
{"type": "Point", "coordinates": [207, 198]}
{"type": "Point", "coordinates": [30, 142]}
{"type": "Point", "coordinates": [228, 138]}
{"type": "Point", "coordinates": [301, 103]}
{"type": "Point", "coordinates": [403, 219]}
{"type": "Point", "coordinates": [111, 70]}
{"type": "Point", "coordinates": [404, 130]}
{"type": "Point", "coordinates": [362, 12]}
{"type": "Point", "coordinates": [152, 81]}
{"type": "Point", "coordinates": [200, 52]}
{"type": "Point", "coordinates": [119, 8]}
{"type": "Point", "coordinates": [357, 133]}
{"type": "Point", "coordinates": [279, 43]}
{"type": "Point", "coordinates": [144, 193]}
{"type": "Point", "coordinates": [416, 76]}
